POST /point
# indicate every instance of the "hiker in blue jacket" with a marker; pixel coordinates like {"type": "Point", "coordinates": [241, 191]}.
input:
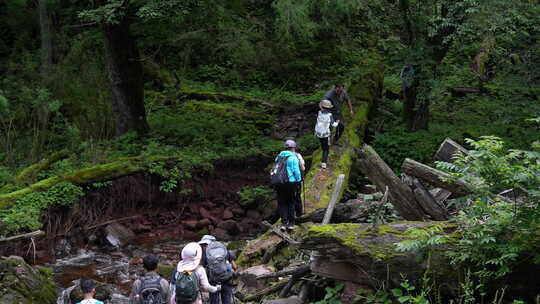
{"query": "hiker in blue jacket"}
{"type": "Point", "coordinates": [286, 192]}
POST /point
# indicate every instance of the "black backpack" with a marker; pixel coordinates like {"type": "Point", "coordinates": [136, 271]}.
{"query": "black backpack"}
{"type": "Point", "coordinates": [278, 174]}
{"type": "Point", "coordinates": [151, 291]}
{"type": "Point", "coordinates": [187, 287]}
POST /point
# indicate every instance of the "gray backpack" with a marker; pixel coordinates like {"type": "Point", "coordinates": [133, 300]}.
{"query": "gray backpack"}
{"type": "Point", "coordinates": [151, 291]}
{"type": "Point", "coordinates": [217, 263]}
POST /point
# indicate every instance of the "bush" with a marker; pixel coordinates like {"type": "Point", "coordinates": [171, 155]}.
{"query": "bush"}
{"type": "Point", "coordinates": [398, 144]}
{"type": "Point", "coordinates": [26, 211]}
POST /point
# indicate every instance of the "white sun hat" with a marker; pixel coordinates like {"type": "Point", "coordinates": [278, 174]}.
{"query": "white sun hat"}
{"type": "Point", "coordinates": [191, 257]}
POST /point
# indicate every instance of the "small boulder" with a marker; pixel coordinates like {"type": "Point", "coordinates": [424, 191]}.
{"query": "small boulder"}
{"type": "Point", "coordinates": [253, 214]}
{"type": "Point", "coordinates": [247, 278]}
{"type": "Point", "coordinates": [238, 211]}
{"type": "Point", "coordinates": [190, 224]}
{"type": "Point", "coordinates": [203, 223]}
{"type": "Point", "coordinates": [205, 213]}
{"type": "Point", "coordinates": [227, 214]}
{"type": "Point", "coordinates": [230, 226]}
{"type": "Point", "coordinates": [118, 235]}
{"type": "Point", "coordinates": [221, 234]}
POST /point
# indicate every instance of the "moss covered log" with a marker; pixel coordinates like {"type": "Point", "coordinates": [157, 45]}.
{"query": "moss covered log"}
{"type": "Point", "coordinates": [83, 176]}
{"type": "Point", "coordinates": [366, 254]}
{"type": "Point", "coordinates": [365, 90]}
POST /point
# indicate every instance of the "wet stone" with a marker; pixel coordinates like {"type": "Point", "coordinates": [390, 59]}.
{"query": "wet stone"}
{"type": "Point", "coordinates": [118, 235]}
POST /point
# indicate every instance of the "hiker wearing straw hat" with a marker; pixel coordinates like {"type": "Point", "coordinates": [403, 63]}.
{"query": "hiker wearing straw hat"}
{"type": "Point", "coordinates": [189, 278]}
{"type": "Point", "coordinates": [325, 119]}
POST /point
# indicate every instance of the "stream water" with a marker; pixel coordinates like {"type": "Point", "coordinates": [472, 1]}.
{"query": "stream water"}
{"type": "Point", "coordinates": [115, 270]}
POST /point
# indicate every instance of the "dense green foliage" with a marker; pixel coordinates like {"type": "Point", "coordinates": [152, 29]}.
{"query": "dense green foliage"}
{"type": "Point", "coordinates": [496, 235]}
{"type": "Point", "coordinates": [26, 213]}
{"type": "Point", "coordinates": [476, 69]}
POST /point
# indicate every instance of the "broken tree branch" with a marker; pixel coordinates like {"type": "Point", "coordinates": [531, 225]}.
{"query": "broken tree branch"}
{"type": "Point", "coordinates": [265, 291]}
{"type": "Point", "coordinates": [333, 200]}
{"type": "Point", "coordinates": [112, 221]}
{"type": "Point", "coordinates": [281, 234]}
{"type": "Point", "coordinates": [29, 235]}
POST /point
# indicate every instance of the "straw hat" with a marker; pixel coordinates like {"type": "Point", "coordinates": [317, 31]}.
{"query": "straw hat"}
{"type": "Point", "coordinates": [326, 104]}
{"type": "Point", "coordinates": [191, 257]}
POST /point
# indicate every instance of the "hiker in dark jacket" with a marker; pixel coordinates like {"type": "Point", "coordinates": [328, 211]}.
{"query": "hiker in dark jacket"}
{"type": "Point", "coordinates": [337, 95]}
{"type": "Point", "coordinates": [151, 280]}
{"type": "Point", "coordinates": [225, 295]}
{"type": "Point", "coordinates": [286, 192]}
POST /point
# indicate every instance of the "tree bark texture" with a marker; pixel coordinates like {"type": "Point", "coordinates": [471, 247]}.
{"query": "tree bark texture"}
{"type": "Point", "coordinates": [46, 37]}
{"type": "Point", "coordinates": [378, 172]}
{"type": "Point", "coordinates": [435, 177]}
{"type": "Point", "coordinates": [126, 79]}
{"type": "Point", "coordinates": [447, 150]}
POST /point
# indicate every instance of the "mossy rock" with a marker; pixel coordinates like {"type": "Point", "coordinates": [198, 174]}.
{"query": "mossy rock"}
{"type": "Point", "coordinates": [21, 283]}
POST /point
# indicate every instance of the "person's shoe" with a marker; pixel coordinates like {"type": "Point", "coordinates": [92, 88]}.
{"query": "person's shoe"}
{"type": "Point", "coordinates": [323, 165]}
{"type": "Point", "coordinates": [290, 228]}
{"type": "Point", "coordinates": [283, 228]}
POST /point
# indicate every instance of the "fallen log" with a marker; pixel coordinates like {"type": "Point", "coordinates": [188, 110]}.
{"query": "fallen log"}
{"type": "Point", "coordinates": [190, 94]}
{"type": "Point", "coordinates": [448, 149]}
{"type": "Point", "coordinates": [367, 256]}
{"type": "Point", "coordinates": [29, 235]}
{"type": "Point", "coordinates": [435, 177]}
{"type": "Point", "coordinates": [378, 172]}
{"type": "Point", "coordinates": [352, 211]}
{"type": "Point", "coordinates": [300, 270]}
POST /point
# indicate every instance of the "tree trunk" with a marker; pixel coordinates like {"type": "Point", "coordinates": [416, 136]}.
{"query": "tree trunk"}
{"type": "Point", "coordinates": [126, 79]}
{"type": "Point", "coordinates": [421, 117]}
{"type": "Point", "coordinates": [46, 37]}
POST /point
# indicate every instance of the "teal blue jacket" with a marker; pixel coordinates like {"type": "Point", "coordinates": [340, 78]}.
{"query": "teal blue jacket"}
{"type": "Point", "coordinates": [293, 166]}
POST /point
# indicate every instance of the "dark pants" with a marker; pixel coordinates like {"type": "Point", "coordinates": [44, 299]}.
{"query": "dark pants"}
{"type": "Point", "coordinates": [225, 295]}
{"type": "Point", "coordinates": [286, 203]}
{"type": "Point", "coordinates": [325, 145]}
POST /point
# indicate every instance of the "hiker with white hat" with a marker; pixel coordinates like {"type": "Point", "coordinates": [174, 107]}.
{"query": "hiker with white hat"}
{"type": "Point", "coordinates": [220, 267]}
{"type": "Point", "coordinates": [189, 278]}
{"type": "Point", "coordinates": [325, 119]}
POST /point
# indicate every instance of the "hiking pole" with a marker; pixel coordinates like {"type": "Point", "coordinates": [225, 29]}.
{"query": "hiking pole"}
{"type": "Point", "coordinates": [304, 198]}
